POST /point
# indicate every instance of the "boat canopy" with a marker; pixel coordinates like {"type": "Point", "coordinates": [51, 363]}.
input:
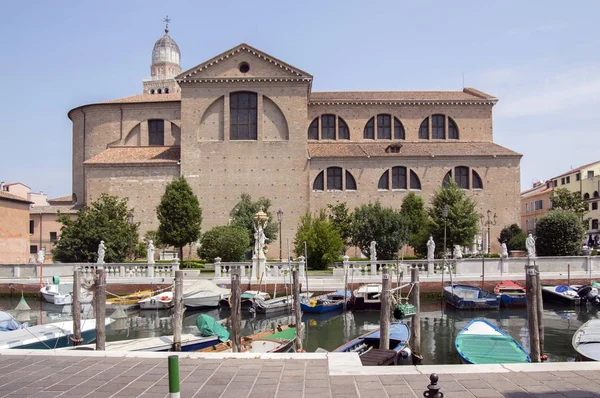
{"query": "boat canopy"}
{"type": "Point", "coordinates": [202, 286]}
{"type": "Point", "coordinates": [485, 349]}
{"type": "Point", "coordinates": [209, 327]}
{"type": "Point", "coordinates": [398, 331]}
{"type": "Point", "coordinates": [7, 322]}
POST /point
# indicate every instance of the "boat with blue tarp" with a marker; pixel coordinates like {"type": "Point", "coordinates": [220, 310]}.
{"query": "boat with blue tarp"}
{"type": "Point", "coordinates": [480, 342]}
{"type": "Point", "coordinates": [368, 346]}
{"type": "Point", "coordinates": [327, 302]}
{"type": "Point", "coordinates": [466, 297]}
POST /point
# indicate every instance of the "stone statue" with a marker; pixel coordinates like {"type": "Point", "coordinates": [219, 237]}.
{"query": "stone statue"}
{"type": "Point", "coordinates": [150, 252]}
{"type": "Point", "coordinates": [530, 244]}
{"type": "Point", "coordinates": [504, 250]}
{"type": "Point", "coordinates": [41, 255]}
{"type": "Point", "coordinates": [373, 250]}
{"type": "Point", "coordinates": [430, 248]}
{"type": "Point", "coordinates": [259, 238]}
{"type": "Point", "coordinates": [457, 252]}
{"type": "Point", "coordinates": [101, 252]}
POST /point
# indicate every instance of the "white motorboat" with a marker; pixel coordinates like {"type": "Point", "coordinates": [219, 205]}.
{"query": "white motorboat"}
{"type": "Point", "coordinates": [189, 342]}
{"type": "Point", "coordinates": [279, 304]}
{"type": "Point", "coordinates": [161, 301]}
{"type": "Point", "coordinates": [52, 294]}
{"type": "Point", "coordinates": [203, 293]}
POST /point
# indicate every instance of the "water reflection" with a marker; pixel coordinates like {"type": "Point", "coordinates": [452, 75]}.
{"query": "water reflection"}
{"type": "Point", "coordinates": [439, 325]}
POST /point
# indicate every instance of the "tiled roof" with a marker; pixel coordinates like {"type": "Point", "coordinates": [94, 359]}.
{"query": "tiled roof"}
{"type": "Point", "coordinates": [530, 193]}
{"type": "Point", "coordinates": [68, 198]}
{"type": "Point", "coordinates": [14, 198]}
{"type": "Point", "coordinates": [145, 98]}
{"type": "Point", "coordinates": [52, 209]}
{"type": "Point", "coordinates": [575, 170]}
{"type": "Point", "coordinates": [137, 155]}
{"type": "Point", "coordinates": [408, 149]}
{"type": "Point", "coordinates": [341, 96]}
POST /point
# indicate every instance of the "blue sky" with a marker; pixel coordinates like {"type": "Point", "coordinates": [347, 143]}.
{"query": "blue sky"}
{"type": "Point", "coordinates": [540, 58]}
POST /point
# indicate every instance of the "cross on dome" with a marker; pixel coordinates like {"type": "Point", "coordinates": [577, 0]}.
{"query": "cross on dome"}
{"type": "Point", "coordinates": [166, 20]}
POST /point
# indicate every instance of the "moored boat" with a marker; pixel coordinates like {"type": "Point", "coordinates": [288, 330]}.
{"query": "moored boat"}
{"type": "Point", "coordinates": [480, 342]}
{"type": "Point", "coordinates": [560, 294]}
{"type": "Point", "coordinates": [279, 304]}
{"type": "Point", "coordinates": [586, 340]}
{"type": "Point", "coordinates": [128, 301]}
{"type": "Point", "coordinates": [367, 346]}
{"type": "Point", "coordinates": [366, 297]}
{"type": "Point", "coordinates": [189, 342]}
{"type": "Point", "coordinates": [160, 301]}
{"type": "Point", "coordinates": [203, 294]}
{"type": "Point", "coordinates": [326, 302]}
{"type": "Point", "coordinates": [511, 294]}
{"type": "Point", "coordinates": [51, 293]}
{"type": "Point", "coordinates": [247, 299]}
{"type": "Point", "coordinates": [466, 297]}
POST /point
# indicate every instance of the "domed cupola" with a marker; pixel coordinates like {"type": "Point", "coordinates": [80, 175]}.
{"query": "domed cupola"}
{"type": "Point", "coordinates": [166, 64]}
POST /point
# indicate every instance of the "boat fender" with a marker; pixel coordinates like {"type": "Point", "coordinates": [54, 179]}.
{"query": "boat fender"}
{"type": "Point", "coordinates": [402, 354]}
{"type": "Point", "coordinates": [544, 358]}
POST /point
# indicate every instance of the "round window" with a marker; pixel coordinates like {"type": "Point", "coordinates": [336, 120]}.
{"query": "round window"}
{"type": "Point", "coordinates": [244, 67]}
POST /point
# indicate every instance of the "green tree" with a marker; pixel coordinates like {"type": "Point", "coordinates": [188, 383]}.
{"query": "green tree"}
{"type": "Point", "coordinates": [179, 215]}
{"type": "Point", "coordinates": [461, 224]}
{"type": "Point", "coordinates": [386, 226]}
{"type": "Point", "coordinates": [140, 250]}
{"type": "Point", "coordinates": [323, 240]}
{"type": "Point", "coordinates": [558, 233]}
{"type": "Point", "coordinates": [413, 210]}
{"type": "Point", "coordinates": [341, 218]}
{"type": "Point", "coordinates": [104, 219]}
{"type": "Point", "coordinates": [507, 233]}
{"type": "Point", "coordinates": [227, 242]}
{"type": "Point", "coordinates": [153, 236]}
{"type": "Point", "coordinates": [243, 213]}
{"type": "Point", "coordinates": [517, 242]}
{"type": "Point", "coordinates": [564, 199]}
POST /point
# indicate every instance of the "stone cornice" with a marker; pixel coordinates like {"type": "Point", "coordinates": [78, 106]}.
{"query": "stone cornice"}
{"type": "Point", "coordinates": [403, 102]}
{"type": "Point", "coordinates": [246, 80]}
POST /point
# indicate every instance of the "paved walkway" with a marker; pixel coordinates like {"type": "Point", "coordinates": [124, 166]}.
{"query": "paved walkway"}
{"type": "Point", "coordinates": [95, 374]}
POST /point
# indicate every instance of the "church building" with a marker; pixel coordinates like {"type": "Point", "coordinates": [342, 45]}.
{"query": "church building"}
{"type": "Point", "coordinates": [247, 122]}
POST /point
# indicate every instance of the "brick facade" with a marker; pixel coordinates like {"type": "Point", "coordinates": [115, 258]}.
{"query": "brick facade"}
{"type": "Point", "coordinates": [282, 163]}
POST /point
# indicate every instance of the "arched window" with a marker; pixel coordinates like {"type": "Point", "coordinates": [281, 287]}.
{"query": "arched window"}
{"type": "Point", "coordinates": [318, 184]}
{"type": "Point", "coordinates": [242, 106]}
{"type": "Point", "coordinates": [398, 177]}
{"type": "Point", "coordinates": [313, 130]}
{"type": "Point", "coordinates": [166, 91]}
{"type": "Point", "coordinates": [415, 183]}
{"type": "Point", "coordinates": [452, 129]}
{"type": "Point", "coordinates": [329, 130]}
{"type": "Point", "coordinates": [438, 127]}
{"type": "Point", "coordinates": [384, 181]}
{"type": "Point", "coordinates": [398, 130]}
{"type": "Point", "coordinates": [332, 178]}
{"type": "Point", "coordinates": [369, 133]}
{"type": "Point", "coordinates": [384, 127]}
{"type": "Point", "coordinates": [152, 91]}
{"type": "Point", "coordinates": [586, 196]}
{"type": "Point", "coordinates": [477, 184]}
{"type": "Point", "coordinates": [159, 91]}
{"type": "Point", "coordinates": [424, 129]}
{"type": "Point", "coordinates": [595, 194]}
{"type": "Point", "coordinates": [156, 132]}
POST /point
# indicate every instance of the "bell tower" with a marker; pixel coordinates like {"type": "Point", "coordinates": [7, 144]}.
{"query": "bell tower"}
{"type": "Point", "coordinates": [166, 64]}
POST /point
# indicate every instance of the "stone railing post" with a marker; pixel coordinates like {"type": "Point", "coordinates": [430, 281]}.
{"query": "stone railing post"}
{"type": "Point", "coordinates": [217, 267]}
{"type": "Point", "coordinates": [373, 268]}
{"type": "Point", "coordinates": [346, 264]}
{"type": "Point", "coordinates": [430, 266]}
{"type": "Point", "coordinates": [301, 264]}
{"type": "Point", "coordinates": [175, 266]}
{"type": "Point", "coordinates": [121, 270]}
{"type": "Point", "coordinates": [150, 270]}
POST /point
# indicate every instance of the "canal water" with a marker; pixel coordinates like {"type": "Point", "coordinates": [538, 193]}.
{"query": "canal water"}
{"type": "Point", "coordinates": [439, 326]}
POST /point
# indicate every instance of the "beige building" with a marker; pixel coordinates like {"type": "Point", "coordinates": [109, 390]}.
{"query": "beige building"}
{"type": "Point", "coordinates": [44, 226]}
{"type": "Point", "coordinates": [535, 202]}
{"type": "Point", "coordinates": [14, 228]}
{"type": "Point", "coordinates": [245, 121]}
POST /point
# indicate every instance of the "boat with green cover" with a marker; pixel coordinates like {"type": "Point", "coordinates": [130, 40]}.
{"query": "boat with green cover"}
{"type": "Point", "coordinates": [480, 342]}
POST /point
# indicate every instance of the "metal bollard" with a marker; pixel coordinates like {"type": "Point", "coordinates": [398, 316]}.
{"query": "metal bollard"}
{"type": "Point", "coordinates": [173, 376]}
{"type": "Point", "coordinates": [433, 390]}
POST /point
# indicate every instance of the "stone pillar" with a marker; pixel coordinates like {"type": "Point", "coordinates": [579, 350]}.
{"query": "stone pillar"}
{"type": "Point", "coordinates": [346, 264]}
{"type": "Point", "coordinates": [301, 264]}
{"type": "Point", "coordinates": [122, 270]}
{"type": "Point", "coordinates": [254, 267]}
{"type": "Point", "coordinates": [150, 270]}
{"type": "Point", "coordinates": [262, 270]}
{"type": "Point", "coordinates": [217, 267]}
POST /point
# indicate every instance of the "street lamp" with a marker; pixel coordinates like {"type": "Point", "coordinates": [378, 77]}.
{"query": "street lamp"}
{"type": "Point", "coordinates": [485, 223]}
{"type": "Point", "coordinates": [489, 223]}
{"type": "Point", "coordinates": [280, 218]}
{"type": "Point", "coordinates": [445, 215]}
{"type": "Point", "coordinates": [130, 222]}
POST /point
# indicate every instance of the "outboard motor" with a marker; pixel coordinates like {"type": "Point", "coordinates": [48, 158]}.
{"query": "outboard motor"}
{"type": "Point", "coordinates": [589, 294]}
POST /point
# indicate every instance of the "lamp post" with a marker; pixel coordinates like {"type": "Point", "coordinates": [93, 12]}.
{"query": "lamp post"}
{"type": "Point", "coordinates": [280, 218]}
{"type": "Point", "coordinates": [130, 222]}
{"type": "Point", "coordinates": [485, 223]}
{"type": "Point", "coordinates": [489, 223]}
{"type": "Point", "coordinates": [445, 215]}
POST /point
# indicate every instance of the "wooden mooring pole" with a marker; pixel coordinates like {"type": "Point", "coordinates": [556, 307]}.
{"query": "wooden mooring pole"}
{"type": "Point", "coordinates": [386, 304]}
{"type": "Point", "coordinates": [236, 309]}
{"type": "Point", "coordinates": [539, 307]}
{"type": "Point", "coordinates": [76, 307]}
{"type": "Point", "coordinates": [100, 309]}
{"type": "Point", "coordinates": [297, 310]}
{"type": "Point", "coordinates": [177, 311]}
{"type": "Point", "coordinates": [532, 318]}
{"type": "Point", "coordinates": [415, 325]}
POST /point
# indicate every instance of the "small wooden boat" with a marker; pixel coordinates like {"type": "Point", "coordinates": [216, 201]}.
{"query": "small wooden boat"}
{"type": "Point", "coordinates": [161, 301]}
{"type": "Point", "coordinates": [560, 294]}
{"type": "Point", "coordinates": [367, 346]}
{"type": "Point", "coordinates": [366, 297]}
{"type": "Point", "coordinates": [326, 302]}
{"type": "Point", "coordinates": [465, 297]}
{"type": "Point", "coordinates": [511, 294]}
{"type": "Point", "coordinates": [128, 301]}
{"type": "Point", "coordinates": [280, 339]}
{"type": "Point", "coordinates": [247, 299]}
{"type": "Point", "coordinates": [480, 342]}
{"type": "Point", "coordinates": [586, 340]}
{"type": "Point", "coordinates": [279, 304]}
{"type": "Point", "coordinates": [47, 336]}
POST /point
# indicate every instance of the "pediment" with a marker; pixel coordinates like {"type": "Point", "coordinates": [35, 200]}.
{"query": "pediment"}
{"type": "Point", "coordinates": [229, 66]}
